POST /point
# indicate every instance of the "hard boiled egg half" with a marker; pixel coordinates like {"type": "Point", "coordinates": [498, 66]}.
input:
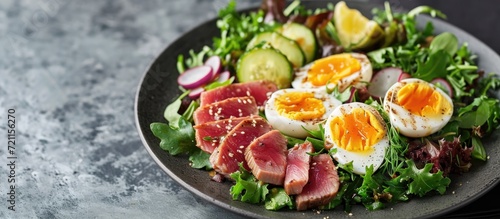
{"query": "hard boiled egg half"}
{"type": "Point", "coordinates": [291, 110]}
{"type": "Point", "coordinates": [417, 108]}
{"type": "Point", "coordinates": [340, 70]}
{"type": "Point", "coordinates": [359, 134]}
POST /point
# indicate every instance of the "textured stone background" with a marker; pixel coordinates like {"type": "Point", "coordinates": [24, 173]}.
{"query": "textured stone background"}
{"type": "Point", "coordinates": [71, 69]}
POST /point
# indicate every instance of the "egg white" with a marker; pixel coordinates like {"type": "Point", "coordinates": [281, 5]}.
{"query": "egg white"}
{"type": "Point", "coordinates": [360, 160]}
{"type": "Point", "coordinates": [355, 79]}
{"type": "Point", "coordinates": [409, 124]}
{"type": "Point", "coordinates": [295, 128]}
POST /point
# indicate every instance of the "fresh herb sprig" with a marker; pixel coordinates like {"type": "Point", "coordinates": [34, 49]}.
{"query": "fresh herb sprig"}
{"type": "Point", "coordinates": [236, 31]}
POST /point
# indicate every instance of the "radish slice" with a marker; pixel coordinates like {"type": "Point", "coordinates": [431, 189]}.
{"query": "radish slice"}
{"type": "Point", "coordinates": [216, 63]}
{"type": "Point", "coordinates": [195, 93]}
{"type": "Point", "coordinates": [404, 75]}
{"type": "Point", "coordinates": [383, 80]}
{"type": "Point", "coordinates": [223, 76]}
{"type": "Point", "coordinates": [444, 85]}
{"type": "Point", "coordinates": [195, 77]}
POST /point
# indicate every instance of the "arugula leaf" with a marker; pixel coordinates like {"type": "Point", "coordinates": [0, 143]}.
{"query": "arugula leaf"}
{"type": "Point", "coordinates": [475, 114]}
{"type": "Point", "coordinates": [480, 111]}
{"type": "Point", "coordinates": [494, 119]}
{"type": "Point", "coordinates": [247, 188]}
{"type": "Point", "coordinates": [175, 140]}
{"type": "Point", "coordinates": [491, 81]}
{"type": "Point", "coordinates": [423, 181]}
{"type": "Point", "coordinates": [433, 67]}
{"type": "Point", "coordinates": [369, 184]}
{"type": "Point", "coordinates": [478, 151]}
{"type": "Point", "coordinates": [445, 41]}
{"type": "Point", "coordinates": [318, 144]}
{"type": "Point", "coordinates": [319, 134]}
{"type": "Point", "coordinates": [458, 83]}
{"type": "Point", "coordinates": [278, 199]}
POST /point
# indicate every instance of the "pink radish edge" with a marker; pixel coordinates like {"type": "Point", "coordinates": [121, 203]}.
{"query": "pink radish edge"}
{"type": "Point", "coordinates": [384, 79]}
{"type": "Point", "coordinates": [223, 76]}
{"type": "Point", "coordinates": [195, 77]}
{"type": "Point", "coordinates": [443, 83]}
{"type": "Point", "coordinates": [195, 93]}
{"type": "Point", "coordinates": [403, 76]}
{"type": "Point", "coordinates": [216, 63]}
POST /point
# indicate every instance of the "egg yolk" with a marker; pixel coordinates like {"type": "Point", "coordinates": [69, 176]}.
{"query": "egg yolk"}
{"type": "Point", "coordinates": [358, 130]}
{"type": "Point", "coordinates": [332, 69]}
{"type": "Point", "coordinates": [300, 106]}
{"type": "Point", "coordinates": [423, 100]}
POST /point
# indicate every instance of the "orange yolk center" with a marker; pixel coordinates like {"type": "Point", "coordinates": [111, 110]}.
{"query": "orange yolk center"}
{"type": "Point", "coordinates": [421, 99]}
{"type": "Point", "coordinates": [332, 69]}
{"type": "Point", "coordinates": [300, 106]}
{"type": "Point", "coordinates": [358, 130]}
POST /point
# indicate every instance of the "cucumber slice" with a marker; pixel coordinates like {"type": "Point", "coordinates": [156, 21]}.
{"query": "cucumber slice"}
{"type": "Point", "coordinates": [287, 46]}
{"type": "Point", "coordinates": [303, 36]}
{"type": "Point", "coordinates": [265, 64]}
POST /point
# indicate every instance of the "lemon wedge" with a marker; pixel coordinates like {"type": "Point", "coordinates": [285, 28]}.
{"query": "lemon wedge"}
{"type": "Point", "coordinates": [354, 30]}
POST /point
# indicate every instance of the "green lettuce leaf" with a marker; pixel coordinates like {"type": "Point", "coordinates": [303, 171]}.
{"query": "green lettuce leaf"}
{"type": "Point", "coordinates": [422, 180]}
{"type": "Point", "coordinates": [175, 140]}
{"type": "Point", "coordinates": [200, 159]}
{"type": "Point", "coordinates": [247, 188]}
{"type": "Point", "coordinates": [278, 199]}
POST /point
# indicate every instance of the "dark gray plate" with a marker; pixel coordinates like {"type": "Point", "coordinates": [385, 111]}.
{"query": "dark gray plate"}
{"type": "Point", "coordinates": [158, 88]}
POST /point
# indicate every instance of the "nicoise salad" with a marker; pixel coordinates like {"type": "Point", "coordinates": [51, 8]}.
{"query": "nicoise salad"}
{"type": "Point", "coordinates": [327, 108]}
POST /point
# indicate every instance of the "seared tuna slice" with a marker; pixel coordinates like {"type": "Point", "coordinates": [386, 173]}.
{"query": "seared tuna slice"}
{"type": "Point", "coordinates": [322, 186]}
{"type": "Point", "coordinates": [260, 90]}
{"type": "Point", "coordinates": [297, 168]}
{"type": "Point", "coordinates": [231, 151]}
{"type": "Point", "coordinates": [209, 135]}
{"type": "Point", "coordinates": [225, 109]}
{"type": "Point", "coordinates": [266, 157]}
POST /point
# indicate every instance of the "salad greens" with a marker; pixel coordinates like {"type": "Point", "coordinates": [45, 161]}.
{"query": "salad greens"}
{"type": "Point", "coordinates": [236, 32]}
{"type": "Point", "coordinates": [409, 169]}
